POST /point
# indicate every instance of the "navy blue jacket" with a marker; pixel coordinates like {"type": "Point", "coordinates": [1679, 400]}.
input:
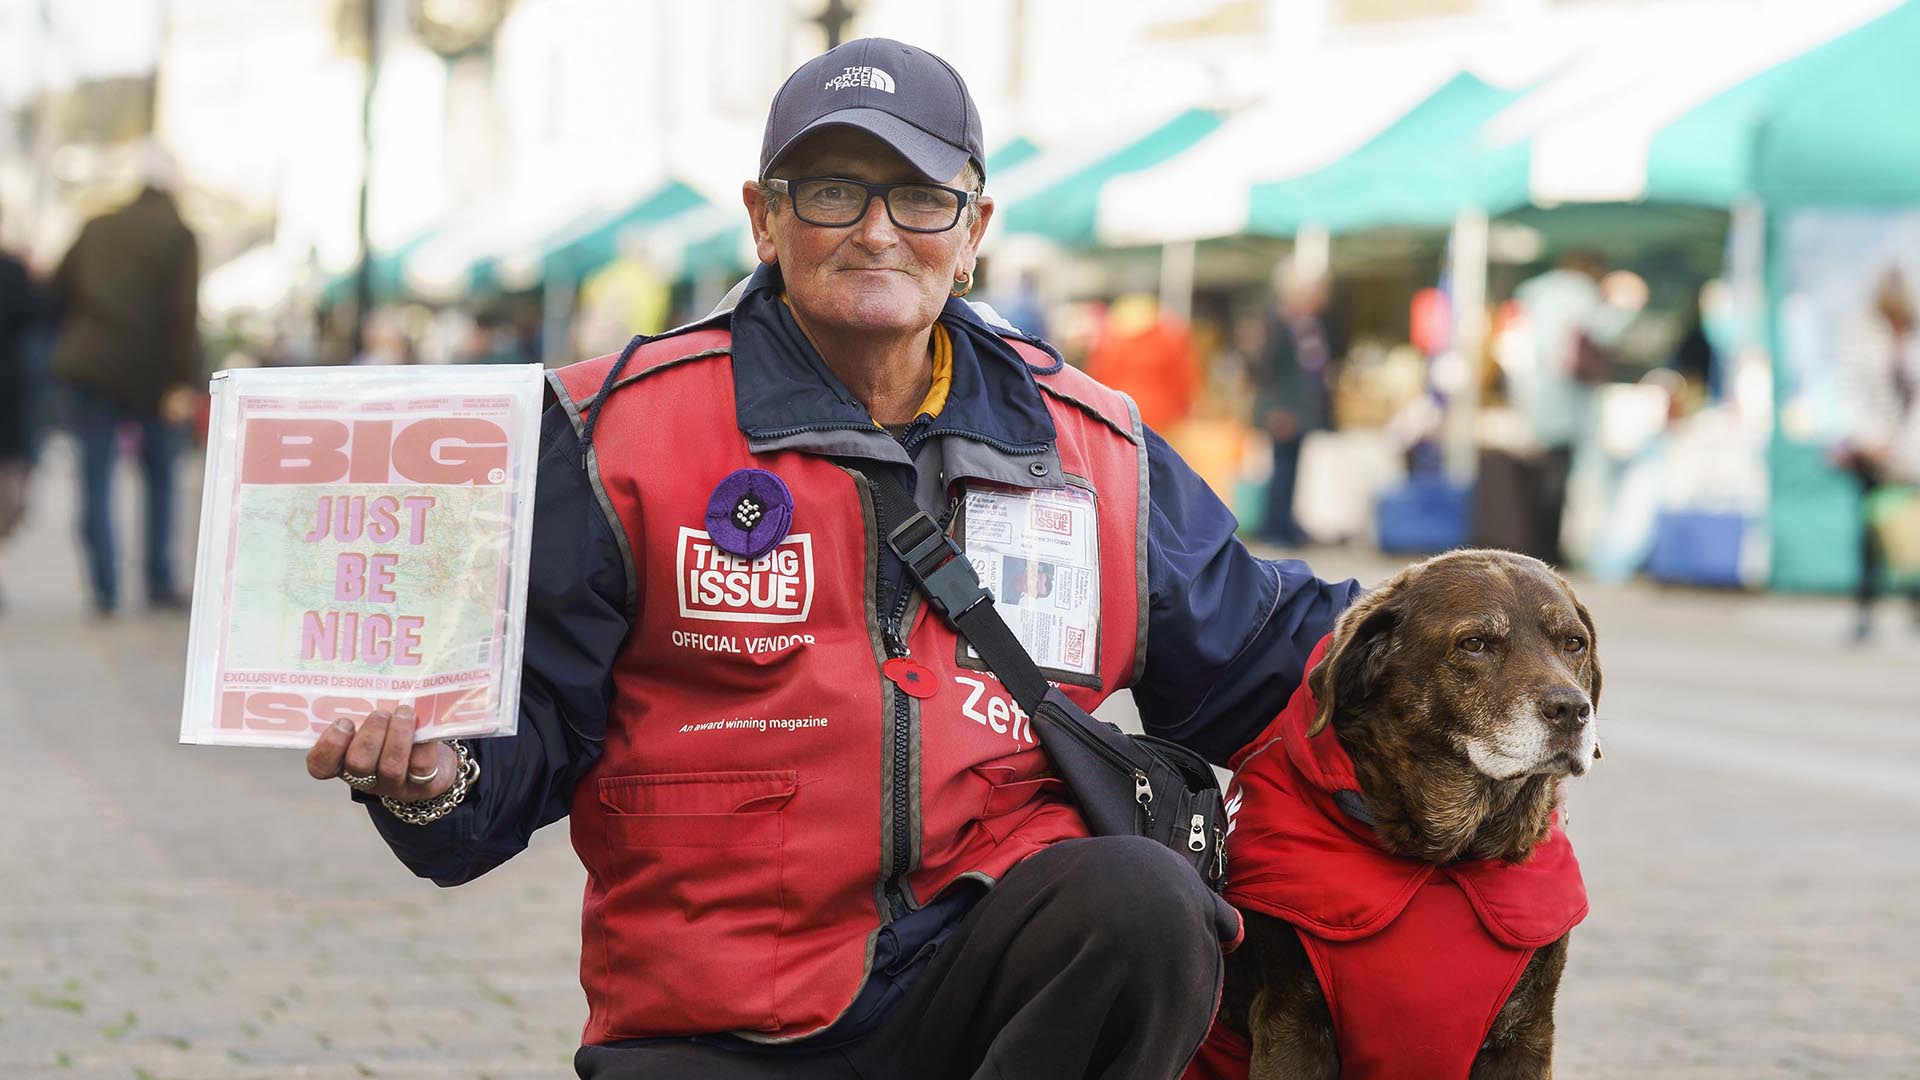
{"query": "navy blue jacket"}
{"type": "Point", "coordinates": [1228, 634]}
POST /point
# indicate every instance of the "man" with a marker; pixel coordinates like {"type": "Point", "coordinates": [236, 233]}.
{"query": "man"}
{"type": "Point", "coordinates": [1296, 391]}
{"type": "Point", "coordinates": [1575, 320]}
{"type": "Point", "coordinates": [22, 310]}
{"type": "Point", "coordinates": [1028, 579]}
{"type": "Point", "coordinates": [129, 353]}
{"type": "Point", "coordinates": [818, 838]}
{"type": "Point", "coordinates": [1879, 383]}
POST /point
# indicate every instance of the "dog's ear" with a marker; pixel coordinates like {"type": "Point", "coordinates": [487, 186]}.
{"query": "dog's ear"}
{"type": "Point", "coordinates": [1593, 651]}
{"type": "Point", "coordinates": [1357, 657]}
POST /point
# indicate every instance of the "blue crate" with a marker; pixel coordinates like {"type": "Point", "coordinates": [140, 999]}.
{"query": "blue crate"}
{"type": "Point", "coordinates": [1423, 516]}
{"type": "Point", "coordinates": [1692, 547]}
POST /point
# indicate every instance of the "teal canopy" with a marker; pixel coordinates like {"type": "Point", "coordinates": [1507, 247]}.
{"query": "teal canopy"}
{"type": "Point", "coordinates": [1838, 125]}
{"type": "Point", "coordinates": [1420, 171]}
{"type": "Point", "coordinates": [585, 243]}
{"type": "Point", "coordinates": [592, 240]}
{"type": "Point", "coordinates": [387, 273]}
{"type": "Point", "coordinates": [1833, 127]}
{"type": "Point", "coordinates": [1011, 154]}
{"type": "Point", "coordinates": [1065, 210]}
{"type": "Point", "coordinates": [714, 253]}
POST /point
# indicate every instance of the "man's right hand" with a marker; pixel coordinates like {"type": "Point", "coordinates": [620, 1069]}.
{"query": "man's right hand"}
{"type": "Point", "coordinates": [383, 748]}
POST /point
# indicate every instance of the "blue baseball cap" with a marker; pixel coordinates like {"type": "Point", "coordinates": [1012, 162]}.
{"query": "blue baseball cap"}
{"type": "Point", "coordinates": [909, 98]}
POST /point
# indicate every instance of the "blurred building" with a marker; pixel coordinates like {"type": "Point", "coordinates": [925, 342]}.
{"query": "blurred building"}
{"type": "Point", "coordinates": [558, 103]}
{"type": "Point", "coordinates": [543, 177]}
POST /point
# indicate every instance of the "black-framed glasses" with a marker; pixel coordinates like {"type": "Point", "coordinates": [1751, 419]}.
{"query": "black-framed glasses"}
{"type": "Point", "coordinates": [834, 202]}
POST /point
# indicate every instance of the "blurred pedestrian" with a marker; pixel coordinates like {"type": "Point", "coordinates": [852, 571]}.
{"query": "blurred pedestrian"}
{"type": "Point", "coordinates": [1296, 395]}
{"type": "Point", "coordinates": [128, 354]}
{"type": "Point", "coordinates": [1024, 307]}
{"type": "Point", "coordinates": [1880, 389]}
{"type": "Point", "coordinates": [1576, 321]}
{"type": "Point", "coordinates": [1700, 354]}
{"type": "Point", "coordinates": [1149, 355]}
{"type": "Point", "coordinates": [22, 306]}
{"type": "Point", "coordinates": [385, 341]}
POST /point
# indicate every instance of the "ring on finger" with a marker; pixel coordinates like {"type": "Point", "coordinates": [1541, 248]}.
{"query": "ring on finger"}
{"type": "Point", "coordinates": [358, 782]}
{"type": "Point", "coordinates": [426, 779]}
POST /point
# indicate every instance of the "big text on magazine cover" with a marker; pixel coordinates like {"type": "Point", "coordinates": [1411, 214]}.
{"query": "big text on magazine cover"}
{"type": "Point", "coordinates": [368, 562]}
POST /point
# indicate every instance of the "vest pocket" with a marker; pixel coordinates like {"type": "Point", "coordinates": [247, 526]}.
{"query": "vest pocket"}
{"type": "Point", "coordinates": [1015, 792]}
{"type": "Point", "coordinates": [695, 900]}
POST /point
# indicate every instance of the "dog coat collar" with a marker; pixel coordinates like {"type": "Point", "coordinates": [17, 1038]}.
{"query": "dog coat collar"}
{"type": "Point", "coordinates": [1293, 803]}
{"type": "Point", "coordinates": [1415, 959]}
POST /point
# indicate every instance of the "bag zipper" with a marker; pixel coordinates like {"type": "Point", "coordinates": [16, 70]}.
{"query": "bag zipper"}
{"type": "Point", "coordinates": [1142, 786]}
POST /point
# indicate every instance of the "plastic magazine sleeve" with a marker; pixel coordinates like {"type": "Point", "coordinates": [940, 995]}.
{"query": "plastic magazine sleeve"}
{"type": "Point", "coordinates": [364, 540]}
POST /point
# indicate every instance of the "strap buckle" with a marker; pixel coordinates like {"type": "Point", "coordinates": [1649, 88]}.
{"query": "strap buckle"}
{"type": "Point", "coordinates": [936, 562]}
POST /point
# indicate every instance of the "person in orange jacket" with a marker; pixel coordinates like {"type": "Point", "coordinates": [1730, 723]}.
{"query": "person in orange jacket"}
{"type": "Point", "coordinates": [1148, 355]}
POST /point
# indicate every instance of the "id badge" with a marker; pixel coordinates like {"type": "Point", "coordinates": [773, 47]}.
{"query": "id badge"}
{"type": "Point", "coordinates": [1039, 553]}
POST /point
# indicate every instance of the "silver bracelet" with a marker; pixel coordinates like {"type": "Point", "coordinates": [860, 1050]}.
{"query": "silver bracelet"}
{"type": "Point", "coordinates": [427, 811]}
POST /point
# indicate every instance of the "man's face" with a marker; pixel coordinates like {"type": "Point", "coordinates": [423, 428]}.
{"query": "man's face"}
{"type": "Point", "coordinates": [1037, 580]}
{"type": "Point", "coordinates": [868, 277]}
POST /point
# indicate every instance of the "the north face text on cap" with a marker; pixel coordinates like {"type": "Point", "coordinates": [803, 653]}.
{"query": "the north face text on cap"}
{"type": "Point", "coordinates": [861, 76]}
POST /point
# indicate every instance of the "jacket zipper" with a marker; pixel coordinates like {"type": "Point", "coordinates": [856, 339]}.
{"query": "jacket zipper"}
{"type": "Point", "coordinates": [902, 753]}
{"type": "Point", "coordinates": [915, 438]}
{"type": "Point", "coordinates": [797, 429]}
{"type": "Point", "coordinates": [902, 749]}
{"type": "Point", "coordinates": [912, 438]}
{"type": "Point", "coordinates": [896, 648]}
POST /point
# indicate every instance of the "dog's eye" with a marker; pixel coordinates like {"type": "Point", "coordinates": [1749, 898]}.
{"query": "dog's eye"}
{"type": "Point", "coordinates": [1472, 645]}
{"type": "Point", "coordinates": [1576, 645]}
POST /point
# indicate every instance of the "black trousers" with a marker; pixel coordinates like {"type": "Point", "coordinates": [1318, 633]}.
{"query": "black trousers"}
{"type": "Point", "coordinates": [1280, 526]}
{"type": "Point", "coordinates": [1872, 558]}
{"type": "Point", "coordinates": [1518, 502]}
{"type": "Point", "coordinates": [1097, 957]}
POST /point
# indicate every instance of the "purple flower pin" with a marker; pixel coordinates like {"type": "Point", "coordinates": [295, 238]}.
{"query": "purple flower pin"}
{"type": "Point", "coordinates": [749, 513]}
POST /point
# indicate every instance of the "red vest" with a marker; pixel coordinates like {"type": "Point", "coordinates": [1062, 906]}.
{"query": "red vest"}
{"type": "Point", "coordinates": [738, 830]}
{"type": "Point", "coordinates": [1415, 959]}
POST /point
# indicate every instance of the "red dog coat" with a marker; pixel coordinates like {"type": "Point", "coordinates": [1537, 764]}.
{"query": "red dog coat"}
{"type": "Point", "coordinates": [1415, 959]}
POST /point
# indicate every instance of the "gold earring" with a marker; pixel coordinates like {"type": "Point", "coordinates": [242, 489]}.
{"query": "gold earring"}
{"type": "Point", "coordinates": [962, 284]}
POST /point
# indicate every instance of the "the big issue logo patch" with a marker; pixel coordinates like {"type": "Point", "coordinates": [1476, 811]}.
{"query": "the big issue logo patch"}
{"type": "Point", "coordinates": [775, 588]}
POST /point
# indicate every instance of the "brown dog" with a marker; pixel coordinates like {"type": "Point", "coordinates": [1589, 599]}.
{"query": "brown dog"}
{"type": "Point", "coordinates": [1462, 691]}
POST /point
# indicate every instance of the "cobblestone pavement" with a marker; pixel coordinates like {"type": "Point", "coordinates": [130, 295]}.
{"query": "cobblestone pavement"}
{"type": "Point", "coordinates": [1751, 842]}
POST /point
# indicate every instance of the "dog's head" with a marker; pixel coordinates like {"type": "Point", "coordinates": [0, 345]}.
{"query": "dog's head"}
{"type": "Point", "coordinates": [1488, 653]}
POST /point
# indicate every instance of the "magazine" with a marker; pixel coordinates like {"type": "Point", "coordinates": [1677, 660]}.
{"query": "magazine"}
{"type": "Point", "coordinates": [364, 537]}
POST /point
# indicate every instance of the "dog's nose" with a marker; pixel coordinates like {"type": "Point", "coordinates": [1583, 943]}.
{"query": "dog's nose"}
{"type": "Point", "coordinates": [1565, 708]}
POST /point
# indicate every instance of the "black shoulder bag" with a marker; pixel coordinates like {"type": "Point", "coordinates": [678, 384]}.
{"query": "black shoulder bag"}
{"type": "Point", "coordinates": [1126, 785]}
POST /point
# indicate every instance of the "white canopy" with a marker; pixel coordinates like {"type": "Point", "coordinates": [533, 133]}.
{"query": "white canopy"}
{"type": "Point", "coordinates": [1591, 126]}
{"type": "Point", "coordinates": [258, 279]}
{"type": "Point", "coordinates": [1204, 192]}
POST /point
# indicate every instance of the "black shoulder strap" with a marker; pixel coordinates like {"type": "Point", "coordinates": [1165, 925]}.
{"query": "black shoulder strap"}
{"type": "Point", "coordinates": [944, 573]}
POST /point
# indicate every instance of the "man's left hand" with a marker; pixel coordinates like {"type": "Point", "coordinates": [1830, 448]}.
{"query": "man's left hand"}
{"type": "Point", "coordinates": [383, 748]}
